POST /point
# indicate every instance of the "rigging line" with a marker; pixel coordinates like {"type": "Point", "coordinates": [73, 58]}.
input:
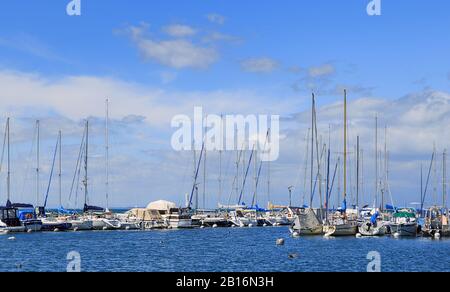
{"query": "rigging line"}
{"type": "Point", "coordinates": [3, 151]}
{"type": "Point", "coordinates": [318, 173]}
{"type": "Point", "coordinates": [259, 170]}
{"type": "Point", "coordinates": [300, 170]}
{"type": "Point", "coordinates": [234, 184]}
{"type": "Point", "coordinates": [428, 179]}
{"type": "Point", "coordinates": [78, 188]}
{"type": "Point", "coordinates": [51, 173]}
{"type": "Point", "coordinates": [305, 174]}
{"type": "Point", "coordinates": [246, 173]}
{"type": "Point", "coordinates": [227, 169]}
{"type": "Point", "coordinates": [80, 154]}
{"type": "Point", "coordinates": [332, 182]}
{"type": "Point", "coordinates": [196, 175]}
{"type": "Point", "coordinates": [28, 164]}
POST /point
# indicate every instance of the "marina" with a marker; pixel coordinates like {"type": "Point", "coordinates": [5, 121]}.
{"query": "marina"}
{"type": "Point", "coordinates": [375, 221]}
{"type": "Point", "coordinates": [185, 137]}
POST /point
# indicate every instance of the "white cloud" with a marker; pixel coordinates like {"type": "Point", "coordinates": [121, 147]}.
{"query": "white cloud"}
{"type": "Point", "coordinates": [141, 157]}
{"type": "Point", "coordinates": [218, 36]}
{"type": "Point", "coordinates": [321, 70]}
{"type": "Point", "coordinates": [168, 77]}
{"type": "Point", "coordinates": [141, 118]}
{"type": "Point", "coordinates": [175, 53]}
{"type": "Point", "coordinates": [216, 18]}
{"type": "Point", "coordinates": [179, 30]}
{"type": "Point", "coordinates": [259, 65]}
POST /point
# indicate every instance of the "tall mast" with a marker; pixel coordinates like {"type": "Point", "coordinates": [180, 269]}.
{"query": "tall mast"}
{"type": "Point", "coordinates": [268, 172]}
{"type": "Point", "coordinates": [37, 161]}
{"type": "Point", "coordinates": [60, 169]}
{"type": "Point", "coordinates": [86, 163]}
{"type": "Point", "coordinates": [107, 154]}
{"type": "Point", "coordinates": [444, 178]}
{"type": "Point", "coordinates": [376, 159]}
{"type": "Point", "coordinates": [8, 180]}
{"type": "Point", "coordinates": [195, 174]}
{"type": "Point", "coordinates": [421, 185]}
{"type": "Point", "coordinates": [204, 176]}
{"type": "Point", "coordinates": [312, 152]}
{"type": "Point", "coordinates": [385, 169]}
{"type": "Point", "coordinates": [220, 158]}
{"type": "Point", "coordinates": [434, 174]}
{"type": "Point", "coordinates": [345, 144]}
{"type": "Point", "coordinates": [357, 171]}
{"type": "Point", "coordinates": [256, 175]}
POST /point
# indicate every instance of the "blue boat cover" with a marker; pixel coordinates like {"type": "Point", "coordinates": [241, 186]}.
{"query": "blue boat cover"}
{"type": "Point", "coordinates": [374, 217]}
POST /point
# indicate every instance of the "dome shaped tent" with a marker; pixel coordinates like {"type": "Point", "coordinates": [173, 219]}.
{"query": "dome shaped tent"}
{"type": "Point", "coordinates": [161, 205]}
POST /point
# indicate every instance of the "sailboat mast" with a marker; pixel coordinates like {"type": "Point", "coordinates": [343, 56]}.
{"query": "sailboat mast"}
{"type": "Point", "coordinates": [357, 171]}
{"type": "Point", "coordinates": [60, 169]}
{"type": "Point", "coordinates": [268, 172]}
{"type": "Point", "coordinates": [376, 159]}
{"type": "Point", "coordinates": [220, 158]}
{"type": "Point", "coordinates": [194, 174]}
{"type": "Point", "coordinates": [8, 180]}
{"type": "Point", "coordinates": [312, 152]}
{"type": "Point", "coordinates": [444, 178]}
{"type": "Point", "coordinates": [86, 163]}
{"type": "Point", "coordinates": [107, 154]}
{"type": "Point", "coordinates": [37, 161]}
{"type": "Point", "coordinates": [256, 176]}
{"type": "Point", "coordinates": [204, 177]}
{"type": "Point", "coordinates": [386, 169]}
{"type": "Point", "coordinates": [345, 144]}
{"type": "Point", "coordinates": [435, 178]}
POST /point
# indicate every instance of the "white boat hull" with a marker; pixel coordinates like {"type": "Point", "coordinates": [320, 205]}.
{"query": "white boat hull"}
{"type": "Point", "coordinates": [33, 227]}
{"type": "Point", "coordinates": [129, 225]}
{"type": "Point", "coordinates": [12, 229]}
{"type": "Point", "coordinates": [404, 229]}
{"type": "Point", "coordinates": [81, 225]}
{"type": "Point", "coordinates": [346, 229]}
{"type": "Point", "coordinates": [244, 221]}
{"type": "Point", "coordinates": [180, 223]}
{"type": "Point", "coordinates": [369, 230]}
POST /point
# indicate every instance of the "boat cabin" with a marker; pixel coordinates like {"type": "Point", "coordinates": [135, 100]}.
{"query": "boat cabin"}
{"type": "Point", "coordinates": [9, 216]}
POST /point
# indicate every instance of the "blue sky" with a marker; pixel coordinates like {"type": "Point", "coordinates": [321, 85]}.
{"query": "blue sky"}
{"type": "Point", "coordinates": [263, 56]}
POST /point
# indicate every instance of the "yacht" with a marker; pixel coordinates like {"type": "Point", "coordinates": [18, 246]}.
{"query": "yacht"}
{"type": "Point", "coordinates": [28, 217]}
{"type": "Point", "coordinates": [172, 216]}
{"type": "Point", "coordinates": [211, 219]}
{"type": "Point", "coordinates": [404, 223]}
{"type": "Point", "coordinates": [307, 222]}
{"type": "Point", "coordinates": [243, 218]}
{"type": "Point", "coordinates": [369, 224]}
{"type": "Point", "coordinates": [9, 220]}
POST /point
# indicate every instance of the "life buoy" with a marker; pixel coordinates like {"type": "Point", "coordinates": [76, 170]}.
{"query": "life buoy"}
{"type": "Point", "coordinates": [29, 216]}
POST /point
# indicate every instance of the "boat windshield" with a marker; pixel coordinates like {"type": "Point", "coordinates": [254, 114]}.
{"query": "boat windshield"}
{"type": "Point", "coordinates": [8, 214]}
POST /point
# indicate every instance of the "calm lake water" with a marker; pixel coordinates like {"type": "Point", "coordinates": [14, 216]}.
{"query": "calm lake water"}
{"type": "Point", "coordinates": [227, 250]}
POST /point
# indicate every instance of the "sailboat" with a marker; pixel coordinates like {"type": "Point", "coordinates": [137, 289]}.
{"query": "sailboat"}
{"type": "Point", "coordinates": [25, 212]}
{"type": "Point", "coordinates": [9, 219]}
{"type": "Point", "coordinates": [339, 224]}
{"type": "Point", "coordinates": [53, 223]}
{"type": "Point", "coordinates": [94, 213]}
{"type": "Point", "coordinates": [110, 220]}
{"type": "Point", "coordinates": [307, 222]}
